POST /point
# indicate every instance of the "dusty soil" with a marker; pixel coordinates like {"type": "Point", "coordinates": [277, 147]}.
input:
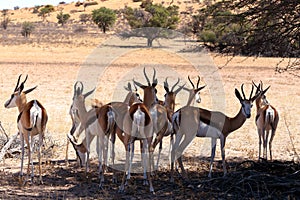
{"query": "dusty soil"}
{"type": "Point", "coordinates": [55, 67]}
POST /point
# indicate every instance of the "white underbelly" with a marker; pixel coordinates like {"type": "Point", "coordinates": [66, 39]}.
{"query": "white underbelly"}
{"type": "Point", "coordinates": [205, 130]}
{"type": "Point", "coordinates": [94, 128]}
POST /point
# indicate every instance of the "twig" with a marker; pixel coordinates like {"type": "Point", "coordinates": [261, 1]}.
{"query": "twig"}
{"type": "Point", "coordinates": [7, 146]}
{"type": "Point", "coordinates": [3, 131]}
{"type": "Point", "coordinates": [294, 149]}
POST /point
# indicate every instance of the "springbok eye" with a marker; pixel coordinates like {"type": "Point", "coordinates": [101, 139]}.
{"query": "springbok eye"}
{"type": "Point", "coordinates": [251, 106]}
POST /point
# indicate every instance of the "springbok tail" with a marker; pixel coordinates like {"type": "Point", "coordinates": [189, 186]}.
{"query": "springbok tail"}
{"type": "Point", "coordinates": [270, 116]}
{"type": "Point", "coordinates": [138, 122]}
{"type": "Point", "coordinates": [35, 114]}
{"type": "Point", "coordinates": [110, 120]}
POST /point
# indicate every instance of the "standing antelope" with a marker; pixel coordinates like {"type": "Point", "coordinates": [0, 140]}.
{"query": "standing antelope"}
{"type": "Point", "coordinates": [32, 120]}
{"type": "Point", "coordinates": [266, 120]}
{"type": "Point", "coordinates": [169, 104]}
{"type": "Point", "coordinates": [193, 121]}
{"type": "Point", "coordinates": [138, 125]}
{"type": "Point", "coordinates": [194, 95]}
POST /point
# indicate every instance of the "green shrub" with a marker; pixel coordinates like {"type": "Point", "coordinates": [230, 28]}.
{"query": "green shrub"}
{"type": "Point", "coordinates": [27, 29]}
{"type": "Point", "coordinates": [104, 18]}
{"type": "Point", "coordinates": [62, 18]}
{"type": "Point", "coordinates": [208, 36]}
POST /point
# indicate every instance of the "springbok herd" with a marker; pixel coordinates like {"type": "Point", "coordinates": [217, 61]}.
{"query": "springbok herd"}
{"type": "Point", "coordinates": [147, 120]}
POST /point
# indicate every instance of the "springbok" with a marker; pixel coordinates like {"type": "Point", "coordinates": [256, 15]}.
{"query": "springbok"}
{"type": "Point", "coordinates": [193, 121]}
{"type": "Point", "coordinates": [119, 109]}
{"type": "Point", "coordinates": [169, 104]}
{"type": "Point", "coordinates": [97, 122]}
{"type": "Point", "coordinates": [194, 96]}
{"type": "Point", "coordinates": [32, 120]}
{"type": "Point", "coordinates": [138, 125]}
{"type": "Point", "coordinates": [266, 120]}
{"type": "Point", "coordinates": [76, 122]}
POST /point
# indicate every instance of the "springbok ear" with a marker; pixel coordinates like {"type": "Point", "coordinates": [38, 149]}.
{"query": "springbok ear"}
{"type": "Point", "coordinates": [200, 88]}
{"type": "Point", "coordinates": [89, 93]}
{"type": "Point", "coordinates": [238, 95]}
{"type": "Point", "coordinates": [30, 90]}
{"type": "Point", "coordinates": [186, 89]}
{"type": "Point", "coordinates": [263, 92]}
{"type": "Point", "coordinates": [178, 89]}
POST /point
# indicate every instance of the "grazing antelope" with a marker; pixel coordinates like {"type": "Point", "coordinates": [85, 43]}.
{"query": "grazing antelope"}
{"type": "Point", "coordinates": [266, 120]}
{"type": "Point", "coordinates": [138, 125]}
{"type": "Point", "coordinates": [32, 120]}
{"type": "Point", "coordinates": [76, 121]}
{"type": "Point", "coordinates": [119, 109]}
{"type": "Point", "coordinates": [193, 121]}
{"type": "Point", "coordinates": [97, 122]}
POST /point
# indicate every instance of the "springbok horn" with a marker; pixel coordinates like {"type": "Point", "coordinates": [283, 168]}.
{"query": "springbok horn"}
{"type": "Point", "coordinates": [154, 79]}
{"type": "Point", "coordinates": [148, 81]}
{"type": "Point", "coordinates": [251, 92]}
{"type": "Point", "coordinates": [135, 88]}
{"type": "Point", "coordinates": [191, 82]}
{"type": "Point", "coordinates": [25, 79]}
{"type": "Point", "coordinates": [175, 85]}
{"type": "Point", "coordinates": [242, 88]}
{"type": "Point", "coordinates": [22, 84]}
{"type": "Point", "coordinates": [166, 85]}
{"type": "Point", "coordinates": [18, 82]}
{"type": "Point", "coordinates": [254, 84]}
{"type": "Point", "coordinates": [198, 81]}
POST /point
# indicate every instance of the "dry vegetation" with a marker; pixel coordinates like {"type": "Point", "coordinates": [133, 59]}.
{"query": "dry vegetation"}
{"type": "Point", "coordinates": [52, 58]}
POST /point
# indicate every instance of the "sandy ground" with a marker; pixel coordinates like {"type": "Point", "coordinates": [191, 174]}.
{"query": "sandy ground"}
{"type": "Point", "coordinates": [63, 66]}
{"type": "Point", "coordinates": [55, 67]}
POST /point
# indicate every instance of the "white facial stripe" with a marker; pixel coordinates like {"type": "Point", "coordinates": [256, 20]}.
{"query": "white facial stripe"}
{"type": "Point", "coordinates": [10, 103]}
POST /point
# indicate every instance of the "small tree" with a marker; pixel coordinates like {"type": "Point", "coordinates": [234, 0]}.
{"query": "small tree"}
{"type": "Point", "coordinates": [104, 18]}
{"type": "Point", "coordinates": [84, 18]}
{"type": "Point", "coordinates": [152, 22]}
{"type": "Point", "coordinates": [27, 29]}
{"type": "Point", "coordinates": [45, 11]}
{"type": "Point", "coordinates": [63, 18]}
{"type": "Point", "coordinates": [5, 19]}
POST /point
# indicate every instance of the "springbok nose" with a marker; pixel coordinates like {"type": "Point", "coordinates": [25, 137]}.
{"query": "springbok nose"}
{"type": "Point", "coordinates": [248, 115]}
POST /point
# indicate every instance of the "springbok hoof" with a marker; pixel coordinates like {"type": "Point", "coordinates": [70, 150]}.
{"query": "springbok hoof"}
{"type": "Point", "coordinates": [145, 182]}
{"type": "Point", "coordinates": [121, 189]}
